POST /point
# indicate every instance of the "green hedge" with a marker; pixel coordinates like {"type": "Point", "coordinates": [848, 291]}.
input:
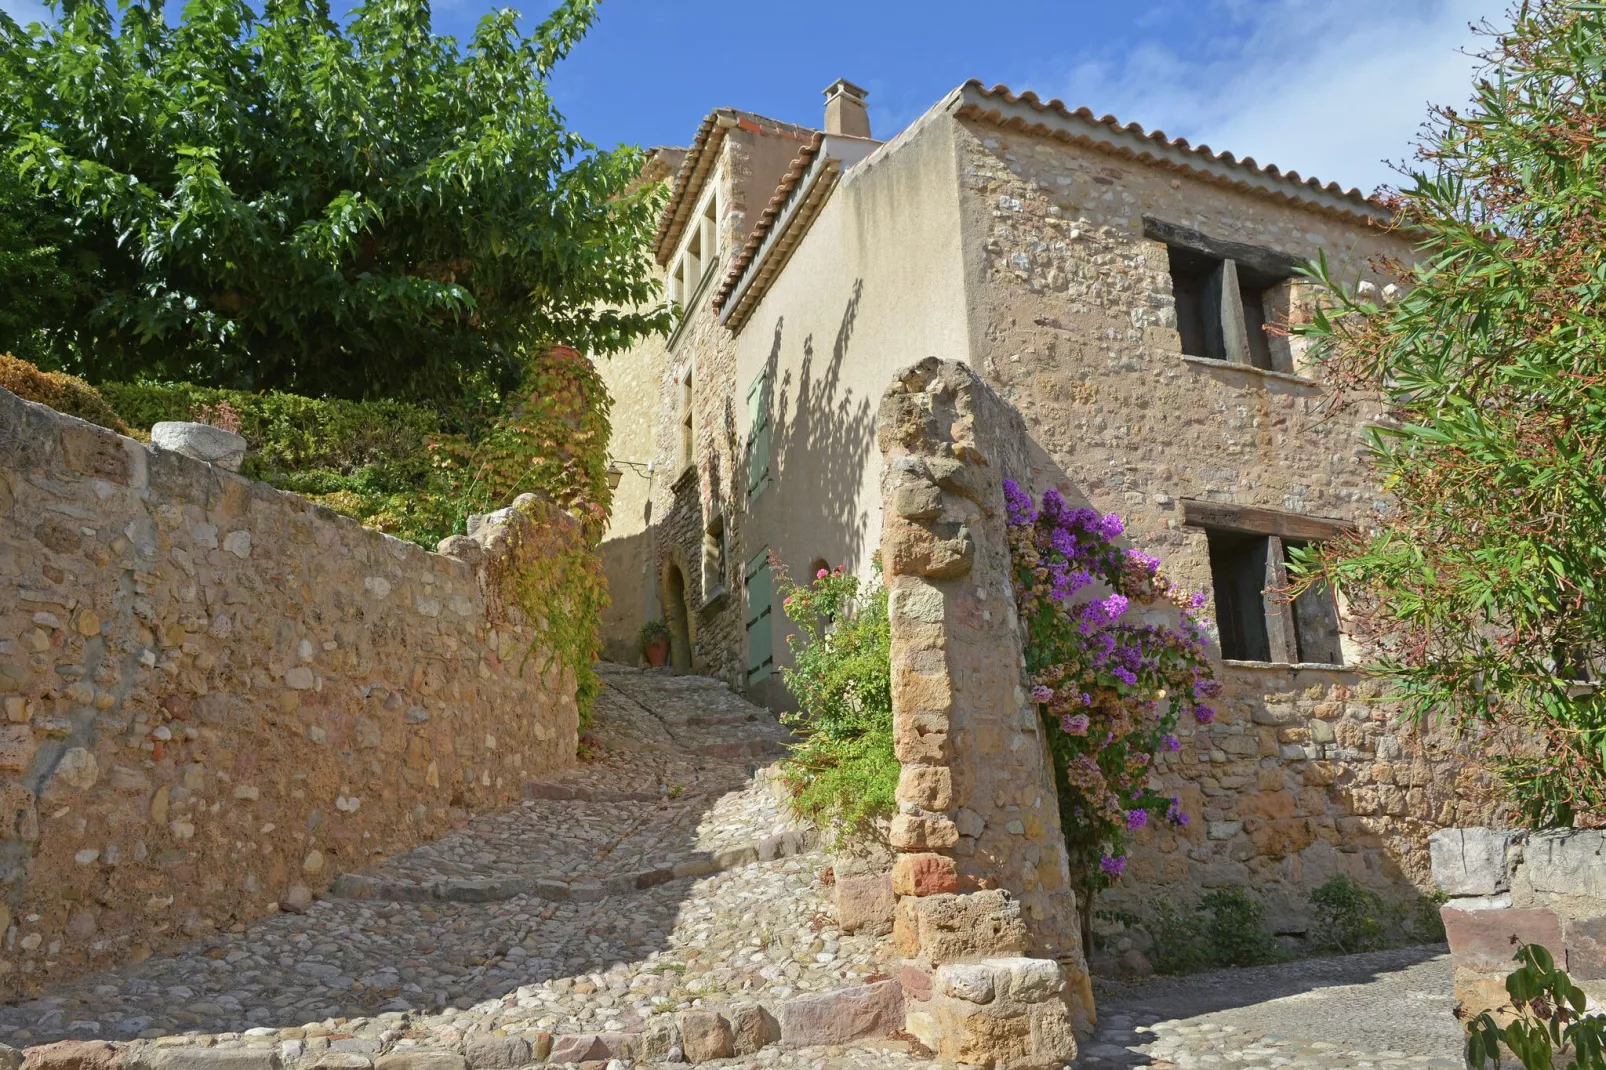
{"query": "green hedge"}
{"type": "Point", "coordinates": [290, 433]}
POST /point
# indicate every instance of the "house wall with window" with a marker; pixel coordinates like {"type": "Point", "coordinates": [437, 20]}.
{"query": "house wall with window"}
{"type": "Point", "coordinates": [1118, 305]}
{"type": "Point", "coordinates": [672, 549]}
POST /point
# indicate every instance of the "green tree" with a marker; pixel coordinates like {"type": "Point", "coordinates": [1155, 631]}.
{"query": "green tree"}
{"type": "Point", "coordinates": [277, 201]}
{"type": "Point", "coordinates": [1482, 584]}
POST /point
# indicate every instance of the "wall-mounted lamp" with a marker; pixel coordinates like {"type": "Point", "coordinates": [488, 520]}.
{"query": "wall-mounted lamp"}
{"type": "Point", "coordinates": [615, 473]}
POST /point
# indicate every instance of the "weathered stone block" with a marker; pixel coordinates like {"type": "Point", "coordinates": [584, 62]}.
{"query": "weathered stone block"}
{"type": "Point", "coordinates": [865, 903]}
{"type": "Point", "coordinates": [198, 1058]}
{"type": "Point", "coordinates": [922, 832]}
{"type": "Point", "coordinates": [930, 787]}
{"type": "Point", "coordinates": [1586, 949]}
{"type": "Point", "coordinates": [200, 442]}
{"type": "Point", "coordinates": [1486, 940]}
{"type": "Point", "coordinates": [753, 1028]}
{"type": "Point", "coordinates": [1567, 862]}
{"type": "Point", "coordinates": [73, 1055]}
{"type": "Point", "coordinates": [924, 874]}
{"type": "Point", "coordinates": [704, 1035]}
{"type": "Point", "coordinates": [969, 981]}
{"type": "Point", "coordinates": [844, 1015]}
{"type": "Point", "coordinates": [951, 928]}
{"type": "Point", "coordinates": [1472, 861]}
{"type": "Point", "coordinates": [497, 1053]}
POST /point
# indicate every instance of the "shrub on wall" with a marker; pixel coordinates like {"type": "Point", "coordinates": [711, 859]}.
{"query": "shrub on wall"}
{"type": "Point", "coordinates": [62, 392]}
{"type": "Point", "coordinates": [844, 771]}
{"type": "Point", "coordinates": [1110, 676]}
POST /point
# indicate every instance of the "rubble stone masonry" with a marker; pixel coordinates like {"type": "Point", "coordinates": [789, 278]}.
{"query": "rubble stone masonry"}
{"type": "Point", "coordinates": [985, 913]}
{"type": "Point", "coordinates": [218, 696]}
{"type": "Point", "coordinates": [1305, 773]}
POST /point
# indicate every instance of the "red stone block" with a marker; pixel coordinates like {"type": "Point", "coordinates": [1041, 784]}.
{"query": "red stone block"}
{"type": "Point", "coordinates": [1486, 940]}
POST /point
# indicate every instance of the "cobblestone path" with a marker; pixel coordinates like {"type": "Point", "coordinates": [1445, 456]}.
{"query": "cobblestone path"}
{"type": "Point", "coordinates": [660, 877]}
{"type": "Point", "coordinates": [1385, 1010]}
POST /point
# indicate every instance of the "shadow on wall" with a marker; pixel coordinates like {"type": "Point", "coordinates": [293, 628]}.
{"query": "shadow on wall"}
{"type": "Point", "coordinates": [633, 595]}
{"type": "Point", "coordinates": [824, 440]}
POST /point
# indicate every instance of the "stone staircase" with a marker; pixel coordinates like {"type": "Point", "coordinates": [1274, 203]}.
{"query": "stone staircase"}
{"type": "Point", "coordinates": [656, 905]}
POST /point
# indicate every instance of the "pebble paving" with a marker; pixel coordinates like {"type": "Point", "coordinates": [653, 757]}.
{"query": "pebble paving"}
{"type": "Point", "coordinates": [676, 777]}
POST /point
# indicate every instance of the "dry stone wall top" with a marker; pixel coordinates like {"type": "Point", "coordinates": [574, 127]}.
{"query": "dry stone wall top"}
{"type": "Point", "coordinates": [218, 696]}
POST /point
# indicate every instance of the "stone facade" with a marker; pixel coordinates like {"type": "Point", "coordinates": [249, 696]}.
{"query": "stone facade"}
{"type": "Point", "coordinates": [1504, 886]}
{"type": "Point", "coordinates": [218, 696]}
{"type": "Point", "coordinates": [981, 874]}
{"type": "Point", "coordinates": [1035, 245]}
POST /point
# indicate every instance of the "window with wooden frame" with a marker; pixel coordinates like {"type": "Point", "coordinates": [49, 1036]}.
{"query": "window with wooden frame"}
{"type": "Point", "coordinates": [714, 551]}
{"type": "Point", "coordinates": [1249, 554]}
{"type": "Point", "coordinates": [688, 421]}
{"type": "Point", "coordinates": [1227, 294]}
{"type": "Point", "coordinates": [699, 255]}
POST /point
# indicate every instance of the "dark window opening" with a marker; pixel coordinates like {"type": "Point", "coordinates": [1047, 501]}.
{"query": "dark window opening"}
{"type": "Point", "coordinates": [1196, 284]}
{"type": "Point", "coordinates": [1315, 623]}
{"type": "Point", "coordinates": [1238, 573]}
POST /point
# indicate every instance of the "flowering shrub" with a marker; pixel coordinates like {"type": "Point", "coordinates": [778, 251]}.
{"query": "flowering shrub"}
{"type": "Point", "coordinates": [844, 770]}
{"type": "Point", "coordinates": [1110, 678]}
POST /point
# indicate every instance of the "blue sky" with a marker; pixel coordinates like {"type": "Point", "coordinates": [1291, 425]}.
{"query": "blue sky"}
{"type": "Point", "coordinates": [1325, 87]}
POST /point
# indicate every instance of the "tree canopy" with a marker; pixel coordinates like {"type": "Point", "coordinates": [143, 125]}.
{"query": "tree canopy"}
{"type": "Point", "coordinates": [1484, 586]}
{"type": "Point", "coordinates": [277, 200]}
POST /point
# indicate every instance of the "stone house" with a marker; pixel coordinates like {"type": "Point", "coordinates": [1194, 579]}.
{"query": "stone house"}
{"type": "Point", "coordinates": [1113, 285]}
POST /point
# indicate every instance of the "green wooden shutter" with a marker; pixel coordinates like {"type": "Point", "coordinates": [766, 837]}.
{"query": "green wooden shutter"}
{"type": "Point", "coordinates": [760, 639]}
{"type": "Point", "coordinates": [758, 435]}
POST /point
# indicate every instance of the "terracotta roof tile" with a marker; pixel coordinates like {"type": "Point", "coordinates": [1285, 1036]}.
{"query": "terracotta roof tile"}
{"type": "Point", "coordinates": [699, 160]}
{"type": "Point", "coordinates": [794, 174]}
{"type": "Point", "coordinates": [1159, 138]}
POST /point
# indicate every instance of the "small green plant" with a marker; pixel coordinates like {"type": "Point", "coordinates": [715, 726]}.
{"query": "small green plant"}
{"type": "Point", "coordinates": [1226, 928]}
{"type": "Point", "coordinates": [1348, 918]}
{"type": "Point", "coordinates": [1427, 925]}
{"type": "Point", "coordinates": [844, 771]}
{"type": "Point", "coordinates": [1549, 1020]}
{"type": "Point", "coordinates": [652, 632]}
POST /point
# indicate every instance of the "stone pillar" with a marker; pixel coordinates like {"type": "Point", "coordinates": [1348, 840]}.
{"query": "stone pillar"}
{"type": "Point", "coordinates": [986, 917]}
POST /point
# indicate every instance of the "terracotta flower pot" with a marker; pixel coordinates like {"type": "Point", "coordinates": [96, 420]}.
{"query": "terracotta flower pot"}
{"type": "Point", "coordinates": [657, 652]}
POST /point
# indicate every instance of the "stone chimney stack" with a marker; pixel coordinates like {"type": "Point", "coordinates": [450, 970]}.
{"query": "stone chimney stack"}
{"type": "Point", "coordinates": [845, 111]}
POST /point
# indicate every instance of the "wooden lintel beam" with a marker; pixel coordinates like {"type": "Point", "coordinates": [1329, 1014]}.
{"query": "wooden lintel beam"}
{"type": "Point", "coordinates": [1266, 261]}
{"type": "Point", "coordinates": [1255, 521]}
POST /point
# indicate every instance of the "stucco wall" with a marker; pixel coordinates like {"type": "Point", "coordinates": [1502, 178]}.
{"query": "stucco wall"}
{"type": "Point", "coordinates": [215, 692]}
{"type": "Point", "coordinates": [1305, 774]}
{"type": "Point", "coordinates": [876, 284]}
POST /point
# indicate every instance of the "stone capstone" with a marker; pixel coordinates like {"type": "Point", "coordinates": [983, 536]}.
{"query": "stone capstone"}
{"type": "Point", "coordinates": [1471, 861]}
{"type": "Point", "coordinates": [201, 442]}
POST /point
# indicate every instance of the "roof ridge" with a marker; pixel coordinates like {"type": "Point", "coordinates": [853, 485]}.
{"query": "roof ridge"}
{"type": "Point", "coordinates": [1059, 107]}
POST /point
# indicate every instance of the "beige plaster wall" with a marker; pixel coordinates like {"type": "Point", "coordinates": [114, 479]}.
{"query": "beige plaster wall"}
{"type": "Point", "coordinates": [876, 284]}
{"type": "Point", "coordinates": [215, 692]}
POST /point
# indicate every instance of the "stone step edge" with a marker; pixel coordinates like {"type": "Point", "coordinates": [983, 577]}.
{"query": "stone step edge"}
{"type": "Point", "coordinates": [554, 791]}
{"type": "Point", "coordinates": [806, 1021]}
{"type": "Point", "coordinates": [496, 889]}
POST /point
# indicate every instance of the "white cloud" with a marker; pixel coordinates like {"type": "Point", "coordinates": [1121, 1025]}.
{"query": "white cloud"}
{"type": "Point", "coordinates": [1324, 87]}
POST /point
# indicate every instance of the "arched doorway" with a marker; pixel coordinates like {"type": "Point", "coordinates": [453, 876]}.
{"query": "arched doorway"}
{"type": "Point", "coordinates": [676, 616]}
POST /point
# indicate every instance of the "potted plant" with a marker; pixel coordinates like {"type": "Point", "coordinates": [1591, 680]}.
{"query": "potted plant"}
{"type": "Point", "coordinates": [654, 639]}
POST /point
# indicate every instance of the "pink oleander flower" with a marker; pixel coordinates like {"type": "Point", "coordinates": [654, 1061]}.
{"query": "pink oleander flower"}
{"type": "Point", "coordinates": [1075, 724]}
{"type": "Point", "coordinates": [1136, 819]}
{"type": "Point", "coordinates": [1113, 867]}
{"type": "Point", "coordinates": [820, 575]}
{"type": "Point", "coordinates": [1041, 693]}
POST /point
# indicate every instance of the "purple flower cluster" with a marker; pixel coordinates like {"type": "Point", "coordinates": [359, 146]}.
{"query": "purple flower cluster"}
{"type": "Point", "coordinates": [1112, 686]}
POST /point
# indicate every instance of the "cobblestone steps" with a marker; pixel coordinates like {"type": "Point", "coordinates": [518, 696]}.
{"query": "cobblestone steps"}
{"type": "Point", "coordinates": [654, 904]}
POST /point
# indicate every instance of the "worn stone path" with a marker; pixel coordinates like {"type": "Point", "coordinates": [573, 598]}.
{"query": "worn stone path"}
{"type": "Point", "coordinates": [1384, 1010]}
{"type": "Point", "coordinates": [662, 876]}
{"type": "Point", "coordinates": [599, 922]}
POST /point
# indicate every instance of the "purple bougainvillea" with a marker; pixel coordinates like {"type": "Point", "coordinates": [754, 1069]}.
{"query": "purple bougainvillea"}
{"type": "Point", "coordinates": [1111, 688]}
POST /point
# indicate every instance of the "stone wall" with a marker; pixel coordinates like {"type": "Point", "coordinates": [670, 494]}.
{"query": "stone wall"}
{"type": "Point", "coordinates": [218, 696]}
{"type": "Point", "coordinates": [1305, 774]}
{"type": "Point", "coordinates": [985, 913]}
{"type": "Point", "coordinates": [1546, 888]}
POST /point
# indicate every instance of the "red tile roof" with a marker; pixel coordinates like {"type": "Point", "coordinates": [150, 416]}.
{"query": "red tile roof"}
{"type": "Point", "coordinates": [973, 92]}
{"type": "Point", "coordinates": [700, 160]}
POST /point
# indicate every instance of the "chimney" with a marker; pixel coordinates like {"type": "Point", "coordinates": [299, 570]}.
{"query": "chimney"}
{"type": "Point", "coordinates": [845, 111]}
